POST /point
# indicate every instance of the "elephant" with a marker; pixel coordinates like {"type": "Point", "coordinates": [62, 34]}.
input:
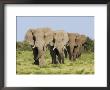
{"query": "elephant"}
{"type": "Point", "coordinates": [71, 44]}
{"type": "Point", "coordinates": [80, 41]}
{"type": "Point", "coordinates": [75, 45]}
{"type": "Point", "coordinates": [39, 39]}
{"type": "Point", "coordinates": [60, 40]}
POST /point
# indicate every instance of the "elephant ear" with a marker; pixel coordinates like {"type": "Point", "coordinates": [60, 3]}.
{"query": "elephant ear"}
{"type": "Point", "coordinates": [83, 39]}
{"type": "Point", "coordinates": [66, 38]}
{"type": "Point", "coordinates": [78, 39]}
{"type": "Point", "coordinates": [29, 37]}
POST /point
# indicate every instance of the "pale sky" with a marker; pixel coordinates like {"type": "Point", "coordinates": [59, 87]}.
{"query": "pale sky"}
{"type": "Point", "coordinates": [78, 24]}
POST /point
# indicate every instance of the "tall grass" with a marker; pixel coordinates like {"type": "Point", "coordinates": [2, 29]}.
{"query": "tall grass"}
{"type": "Point", "coordinates": [82, 65]}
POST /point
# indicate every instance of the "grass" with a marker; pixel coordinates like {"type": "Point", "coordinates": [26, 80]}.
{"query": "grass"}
{"type": "Point", "coordinates": [82, 65]}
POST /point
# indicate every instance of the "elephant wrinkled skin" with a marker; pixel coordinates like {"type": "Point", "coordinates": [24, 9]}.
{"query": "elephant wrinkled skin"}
{"type": "Point", "coordinates": [60, 40]}
{"type": "Point", "coordinates": [75, 45]}
{"type": "Point", "coordinates": [39, 39]}
{"type": "Point", "coordinates": [59, 43]}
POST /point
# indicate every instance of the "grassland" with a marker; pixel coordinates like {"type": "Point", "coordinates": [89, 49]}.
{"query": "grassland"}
{"type": "Point", "coordinates": [82, 65]}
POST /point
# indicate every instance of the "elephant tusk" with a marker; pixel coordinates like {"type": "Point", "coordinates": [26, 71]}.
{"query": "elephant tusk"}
{"type": "Point", "coordinates": [65, 48]}
{"type": "Point", "coordinates": [54, 48]}
{"type": "Point", "coordinates": [67, 45]}
{"type": "Point", "coordinates": [33, 46]}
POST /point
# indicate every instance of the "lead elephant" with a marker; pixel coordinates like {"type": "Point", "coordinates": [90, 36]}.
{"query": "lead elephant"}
{"type": "Point", "coordinates": [39, 39]}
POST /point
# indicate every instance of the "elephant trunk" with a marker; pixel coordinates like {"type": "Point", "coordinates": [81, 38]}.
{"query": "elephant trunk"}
{"type": "Point", "coordinates": [61, 54]}
{"type": "Point", "coordinates": [40, 55]}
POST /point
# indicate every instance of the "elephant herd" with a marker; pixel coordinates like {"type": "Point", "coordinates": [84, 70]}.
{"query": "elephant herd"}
{"type": "Point", "coordinates": [60, 44]}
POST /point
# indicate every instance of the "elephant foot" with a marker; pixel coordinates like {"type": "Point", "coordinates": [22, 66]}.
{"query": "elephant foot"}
{"type": "Point", "coordinates": [36, 62]}
{"type": "Point", "coordinates": [63, 63]}
{"type": "Point", "coordinates": [65, 56]}
{"type": "Point", "coordinates": [42, 62]}
{"type": "Point", "coordinates": [55, 62]}
{"type": "Point", "coordinates": [74, 59]}
{"type": "Point", "coordinates": [52, 62]}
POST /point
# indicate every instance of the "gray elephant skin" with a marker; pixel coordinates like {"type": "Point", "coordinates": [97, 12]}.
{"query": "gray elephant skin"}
{"type": "Point", "coordinates": [75, 45]}
{"type": "Point", "coordinates": [39, 39]}
{"type": "Point", "coordinates": [59, 43]}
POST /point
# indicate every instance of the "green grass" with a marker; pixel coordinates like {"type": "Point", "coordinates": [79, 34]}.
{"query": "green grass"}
{"type": "Point", "coordinates": [82, 65]}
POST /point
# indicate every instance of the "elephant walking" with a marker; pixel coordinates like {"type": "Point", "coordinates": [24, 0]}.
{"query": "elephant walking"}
{"type": "Point", "coordinates": [60, 40]}
{"type": "Point", "coordinates": [75, 45]}
{"type": "Point", "coordinates": [39, 39]}
{"type": "Point", "coordinates": [59, 43]}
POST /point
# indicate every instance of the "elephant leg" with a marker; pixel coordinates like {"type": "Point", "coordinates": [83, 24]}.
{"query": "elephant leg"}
{"type": "Point", "coordinates": [79, 54]}
{"type": "Point", "coordinates": [74, 54]}
{"type": "Point", "coordinates": [82, 49]}
{"type": "Point", "coordinates": [62, 58]}
{"type": "Point", "coordinates": [59, 59]}
{"type": "Point", "coordinates": [68, 51]}
{"type": "Point", "coordinates": [53, 55]}
{"type": "Point", "coordinates": [79, 51]}
{"type": "Point", "coordinates": [54, 59]}
{"type": "Point", "coordinates": [35, 53]}
{"type": "Point", "coordinates": [42, 61]}
{"type": "Point", "coordinates": [65, 53]}
{"type": "Point", "coordinates": [59, 56]}
{"type": "Point", "coordinates": [71, 54]}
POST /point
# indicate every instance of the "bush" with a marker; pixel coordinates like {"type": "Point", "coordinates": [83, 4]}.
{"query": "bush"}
{"type": "Point", "coordinates": [23, 46]}
{"type": "Point", "coordinates": [89, 45]}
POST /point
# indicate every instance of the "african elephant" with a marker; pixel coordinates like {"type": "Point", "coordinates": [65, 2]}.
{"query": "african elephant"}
{"type": "Point", "coordinates": [75, 45]}
{"type": "Point", "coordinates": [80, 41]}
{"type": "Point", "coordinates": [60, 40]}
{"type": "Point", "coordinates": [71, 44]}
{"type": "Point", "coordinates": [39, 39]}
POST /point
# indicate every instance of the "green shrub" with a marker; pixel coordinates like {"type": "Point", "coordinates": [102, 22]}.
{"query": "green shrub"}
{"type": "Point", "coordinates": [89, 45]}
{"type": "Point", "coordinates": [23, 46]}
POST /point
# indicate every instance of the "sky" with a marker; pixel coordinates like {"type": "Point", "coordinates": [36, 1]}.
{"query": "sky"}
{"type": "Point", "coordinates": [77, 24]}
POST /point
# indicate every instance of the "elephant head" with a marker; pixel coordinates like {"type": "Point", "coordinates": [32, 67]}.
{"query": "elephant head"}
{"type": "Point", "coordinates": [71, 44]}
{"type": "Point", "coordinates": [48, 36]}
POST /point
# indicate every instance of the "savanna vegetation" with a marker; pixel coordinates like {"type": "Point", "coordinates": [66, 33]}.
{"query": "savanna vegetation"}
{"type": "Point", "coordinates": [82, 65]}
